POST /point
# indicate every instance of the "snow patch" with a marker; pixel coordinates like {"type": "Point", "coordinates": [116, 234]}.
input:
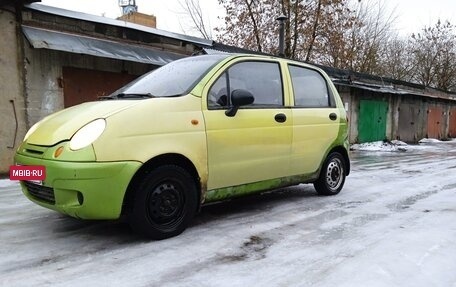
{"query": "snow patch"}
{"type": "Point", "coordinates": [385, 146]}
{"type": "Point", "coordinates": [425, 141]}
{"type": "Point", "coordinates": [431, 141]}
{"type": "Point", "coordinates": [8, 183]}
{"type": "Point", "coordinates": [396, 145]}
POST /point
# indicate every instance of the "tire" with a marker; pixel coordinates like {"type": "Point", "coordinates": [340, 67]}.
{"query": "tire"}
{"type": "Point", "coordinates": [332, 175]}
{"type": "Point", "coordinates": [164, 204]}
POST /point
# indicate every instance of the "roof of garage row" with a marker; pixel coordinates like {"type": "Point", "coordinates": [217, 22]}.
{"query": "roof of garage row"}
{"type": "Point", "coordinates": [67, 42]}
{"type": "Point", "coordinates": [114, 22]}
{"type": "Point", "coordinates": [57, 38]}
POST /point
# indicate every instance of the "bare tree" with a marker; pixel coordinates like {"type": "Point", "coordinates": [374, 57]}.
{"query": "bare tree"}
{"type": "Point", "coordinates": [396, 61]}
{"type": "Point", "coordinates": [331, 32]}
{"type": "Point", "coordinates": [373, 31]}
{"type": "Point", "coordinates": [446, 64]}
{"type": "Point", "coordinates": [434, 55]}
{"type": "Point", "coordinates": [192, 9]}
{"type": "Point", "coordinates": [356, 35]}
{"type": "Point", "coordinates": [336, 45]}
{"type": "Point", "coordinates": [251, 24]}
{"type": "Point", "coordinates": [313, 35]}
{"type": "Point", "coordinates": [446, 67]}
{"type": "Point", "coordinates": [248, 24]}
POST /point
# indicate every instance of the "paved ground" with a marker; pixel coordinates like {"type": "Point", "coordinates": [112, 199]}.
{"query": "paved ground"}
{"type": "Point", "coordinates": [394, 224]}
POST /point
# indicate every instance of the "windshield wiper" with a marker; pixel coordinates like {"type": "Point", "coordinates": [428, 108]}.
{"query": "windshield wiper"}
{"type": "Point", "coordinates": [128, 96]}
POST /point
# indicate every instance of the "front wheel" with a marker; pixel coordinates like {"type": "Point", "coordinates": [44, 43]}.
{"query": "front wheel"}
{"type": "Point", "coordinates": [332, 175]}
{"type": "Point", "coordinates": [164, 203]}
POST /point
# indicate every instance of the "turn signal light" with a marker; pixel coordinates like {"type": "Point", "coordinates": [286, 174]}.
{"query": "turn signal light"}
{"type": "Point", "coordinates": [58, 152]}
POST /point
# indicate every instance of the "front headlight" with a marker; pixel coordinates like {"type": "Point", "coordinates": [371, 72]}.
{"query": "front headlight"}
{"type": "Point", "coordinates": [87, 134]}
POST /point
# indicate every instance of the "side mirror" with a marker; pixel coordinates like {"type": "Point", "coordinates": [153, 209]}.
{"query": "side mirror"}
{"type": "Point", "coordinates": [239, 98]}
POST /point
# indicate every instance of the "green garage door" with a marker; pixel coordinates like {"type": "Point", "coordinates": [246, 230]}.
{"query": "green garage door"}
{"type": "Point", "coordinates": [372, 121]}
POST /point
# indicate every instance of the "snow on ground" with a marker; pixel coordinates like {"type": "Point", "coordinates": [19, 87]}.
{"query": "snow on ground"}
{"type": "Point", "coordinates": [7, 183]}
{"type": "Point", "coordinates": [392, 225]}
{"type": "Point", "coordinates": [432, 141]}
{"type": "Point", "coordinates": [385, 146]}
{"type": "Point", "coordinates": [396, 145]}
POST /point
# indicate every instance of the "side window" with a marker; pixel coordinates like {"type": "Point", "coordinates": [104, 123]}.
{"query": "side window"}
{"type": "Point", "coordinates": [309, 87]}
{"type": "Point", "coordinates": [218, 94]}
{"type": "Point", "coordinates": [262, 79]}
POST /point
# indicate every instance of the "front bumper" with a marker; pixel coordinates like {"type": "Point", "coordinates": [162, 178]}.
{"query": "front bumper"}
{"type": "Point", "coordinates": [88, 190]}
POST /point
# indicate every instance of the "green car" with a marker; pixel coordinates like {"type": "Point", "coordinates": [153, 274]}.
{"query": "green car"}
{"type": "Point", "coordinates": [198, 130]}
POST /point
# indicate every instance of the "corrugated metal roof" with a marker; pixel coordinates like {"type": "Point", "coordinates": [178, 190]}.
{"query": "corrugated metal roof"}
{"type": "Point", "coordinates": [54, 40]}
{"type": "Point", "coordinates": [222, 48]}
{"type": "Point", "coordinates": [118, 23]}
{"type": "Point", "coordinates": [210, 51]}
{"type": "Point", "coordinates": [391, 90]}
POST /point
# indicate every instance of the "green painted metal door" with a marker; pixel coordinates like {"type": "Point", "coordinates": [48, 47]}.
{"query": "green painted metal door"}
{"type": "Point", "coordinates": [372, 121]}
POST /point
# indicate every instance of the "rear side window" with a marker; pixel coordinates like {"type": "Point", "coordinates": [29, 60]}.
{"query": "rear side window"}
{"type": "Point", "coordinates": [262, 79]}
{"type": "Point", "coordinates": [309, 88]}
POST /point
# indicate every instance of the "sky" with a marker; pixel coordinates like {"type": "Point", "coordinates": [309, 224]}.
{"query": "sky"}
{"type": "Point", "coordinates": [412, 15]}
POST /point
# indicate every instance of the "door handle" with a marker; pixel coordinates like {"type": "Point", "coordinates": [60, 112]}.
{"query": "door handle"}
{"type": "Point", "coordinates": [280, 118]}
{"type": "Point", "coordinates": [332, 116]}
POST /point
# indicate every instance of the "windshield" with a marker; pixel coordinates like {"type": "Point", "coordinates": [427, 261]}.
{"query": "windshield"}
{"type": "Point", "coordinates": [174, 79]}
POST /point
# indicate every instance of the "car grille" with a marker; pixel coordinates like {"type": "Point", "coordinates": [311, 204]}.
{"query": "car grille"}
{"type": "Point", "coordinates": [40, 192]}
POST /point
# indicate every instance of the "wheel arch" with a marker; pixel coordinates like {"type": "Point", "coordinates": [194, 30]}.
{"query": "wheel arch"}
{"type": "Point", "coordinates": [164, 159]}
{"type": "Point", "coordinates": [343, 151]}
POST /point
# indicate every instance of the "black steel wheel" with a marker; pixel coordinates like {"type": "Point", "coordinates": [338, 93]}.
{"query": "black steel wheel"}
{"type": "Point", "coordinates": [164, 204]}
{"type": "Point", "coordinates": [332, 175]}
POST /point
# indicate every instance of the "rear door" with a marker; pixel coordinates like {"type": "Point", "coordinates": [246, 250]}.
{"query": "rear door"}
{"type": "Point", "coordinates": [255, 144]}
{"type": "Point", "coordinates": [315, 119]}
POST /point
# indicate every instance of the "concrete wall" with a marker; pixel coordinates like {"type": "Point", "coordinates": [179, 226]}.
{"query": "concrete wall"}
{"type": "Point", "coordinates": [352, 107]}
{"type": "Point", "coordinates": [10, 91]}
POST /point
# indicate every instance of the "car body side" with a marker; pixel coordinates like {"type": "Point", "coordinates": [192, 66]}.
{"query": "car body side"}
{"type": "Point", "coordinates": [97, 181]}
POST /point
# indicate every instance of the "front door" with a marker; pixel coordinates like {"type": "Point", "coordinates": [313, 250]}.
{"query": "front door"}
{"type": "Point", "coordinates": [254, 145]}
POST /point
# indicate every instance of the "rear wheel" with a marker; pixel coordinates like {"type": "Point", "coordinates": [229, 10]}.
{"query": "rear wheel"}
{"type": "Point", "coordinates": [332, 175]}
{"type": "Point", "coordinates": [165, 202]}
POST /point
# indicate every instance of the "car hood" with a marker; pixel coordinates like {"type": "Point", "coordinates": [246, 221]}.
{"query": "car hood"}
{"type": "Point", "coordinates": [62, 125]}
